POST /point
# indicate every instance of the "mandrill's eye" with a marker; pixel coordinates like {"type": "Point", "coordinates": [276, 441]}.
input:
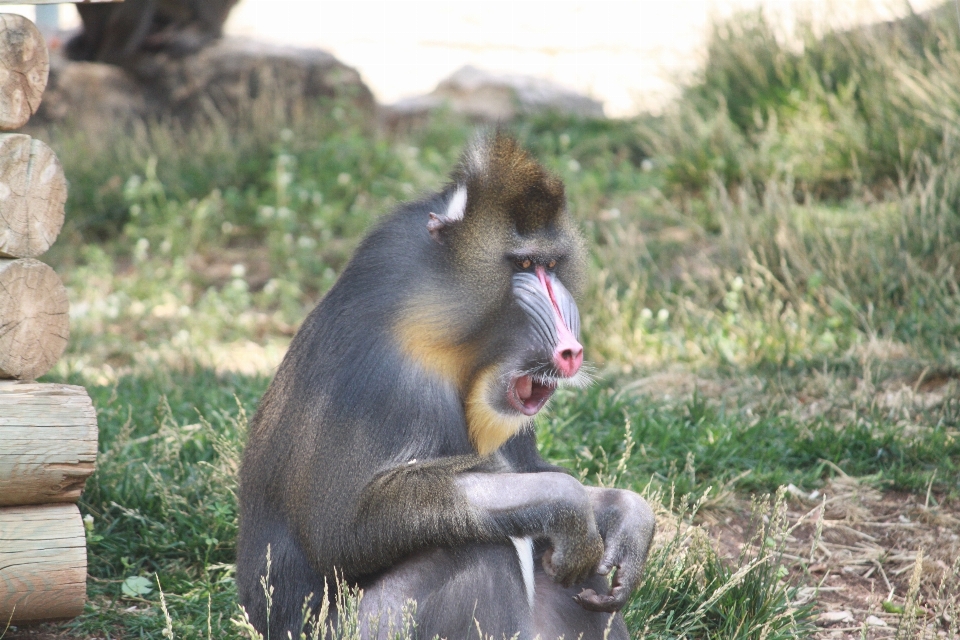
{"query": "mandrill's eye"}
{"type": "Point", "coordinates": [552, 264]}
{"type": "Point", "coordinates": [524, 263]}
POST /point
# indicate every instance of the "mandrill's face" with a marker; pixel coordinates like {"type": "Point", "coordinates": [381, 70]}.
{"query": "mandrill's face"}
{"type": "Point", "coordinates": [542, 350]}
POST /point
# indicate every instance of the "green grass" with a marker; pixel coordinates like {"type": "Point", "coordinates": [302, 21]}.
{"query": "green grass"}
{"type": "Point", "coordinates": [163, 501]}
{"type": "Point", "coordinates": [699, 444]}
{"type": "Point", "coordinates": [690, 592]}
{"type": "Point", "coordinates": [164, 506]}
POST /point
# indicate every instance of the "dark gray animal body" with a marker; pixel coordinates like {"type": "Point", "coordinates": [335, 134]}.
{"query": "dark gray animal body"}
{"type": "Point", "coordinates": [395, 448]}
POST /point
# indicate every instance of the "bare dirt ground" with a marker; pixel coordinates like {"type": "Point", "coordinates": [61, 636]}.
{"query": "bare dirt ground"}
{"type": "Point", "coordinates": [857, 564]}
{"type": "Point", "coordinates": [47, 631]}
{"type": "Point", "coordinates": [864, 555]}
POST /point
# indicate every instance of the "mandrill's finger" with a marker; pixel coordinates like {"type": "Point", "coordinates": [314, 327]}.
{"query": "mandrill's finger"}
{"type": "Point", "coordinates": [628, 575]}
{"type": "Point", "coordinates": [560, 571]}
{"type": "Point", "coordinates": [618, 550]}
{"type": "Point", "coordinates": [547, 562]}
{"type": "Point", "coordinates": [610, 560]}
{"type": "Point", "coordinates": [554, 565]}
{"type": "Point", "coordinates": [610, 603]}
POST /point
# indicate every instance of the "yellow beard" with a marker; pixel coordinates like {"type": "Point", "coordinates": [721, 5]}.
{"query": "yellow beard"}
{"type": "Point", "coordinates": [487, 427]}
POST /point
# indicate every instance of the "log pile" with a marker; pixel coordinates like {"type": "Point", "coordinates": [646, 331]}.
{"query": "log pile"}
{"type": "Point", "coordinates": [48, 432]}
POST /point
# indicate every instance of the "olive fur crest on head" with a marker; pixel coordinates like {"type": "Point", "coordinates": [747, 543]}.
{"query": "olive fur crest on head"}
{"type": "Point", "coordinates": [395, 451]}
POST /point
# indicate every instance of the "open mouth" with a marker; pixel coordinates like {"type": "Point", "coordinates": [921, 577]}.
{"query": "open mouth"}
{"type": "Point", "coordinates": [528, 395]}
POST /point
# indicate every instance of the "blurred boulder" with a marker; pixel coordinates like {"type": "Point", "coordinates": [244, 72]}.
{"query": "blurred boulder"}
{"type": "Point", "coordinates": [233, 74]}
{"type": "Point", "coordinates": [90, 94]}
{"type": "Point", "coordinates": [485, 96]}
{"type": "Point", "coordinates": [231, 78]}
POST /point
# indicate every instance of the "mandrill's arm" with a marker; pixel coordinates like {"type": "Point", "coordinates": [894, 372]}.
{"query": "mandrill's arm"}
{"type": "Point", "coordinates": [445, 503]}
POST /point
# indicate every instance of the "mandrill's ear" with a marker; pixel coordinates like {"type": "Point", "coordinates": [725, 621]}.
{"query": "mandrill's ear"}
{"type": "Point", "coordinates": [456, 207]}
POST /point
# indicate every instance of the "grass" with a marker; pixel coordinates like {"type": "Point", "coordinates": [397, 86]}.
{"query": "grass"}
{"type": "Point", "coordinates": [163, 498]}
{"type": "Point", "coordinates": [163, 502]}
{"type": "Point", "coordinates": [163, 505]}
{"type": "Point", "coordinates": [696, 444]}
{"type": "Point", "coordinates": [773, 301]}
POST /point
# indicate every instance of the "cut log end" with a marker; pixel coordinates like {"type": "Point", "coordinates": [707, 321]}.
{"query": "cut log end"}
{"type": "Point", "coordinates": [43, 571]}
{"type": "Point", "coordinates": [33, 191]}
{"type": "Point", "coordinates": [49, 436]}
{"type": "Point", "coordinates": [34, 318]}
{"type": "Point", "coordinates": [24, 67]}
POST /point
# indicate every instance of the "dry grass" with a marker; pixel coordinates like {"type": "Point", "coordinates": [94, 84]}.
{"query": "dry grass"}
{"type": "Point", "coordinates": [867, 557]}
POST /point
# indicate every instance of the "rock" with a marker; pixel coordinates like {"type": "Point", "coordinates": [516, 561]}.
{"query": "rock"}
{"type": "Point", "coordinates": [874, 621]}
{"type": "Point", "coordinates": [233, 73]}
{"type": "Point", "coordinates": [228, 77]}
{"type": "Point", "coordinates": [92, 95]}
{"type": "Point", "coordinates": [491, 97]}
{"type": "Point", "coordinates": [833, 617]}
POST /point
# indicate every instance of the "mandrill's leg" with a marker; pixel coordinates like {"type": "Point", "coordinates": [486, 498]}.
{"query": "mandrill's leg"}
{"type": "Point", "coordinates": [485, 583]}
{"type": "Point", "coordinates": [453, 589]}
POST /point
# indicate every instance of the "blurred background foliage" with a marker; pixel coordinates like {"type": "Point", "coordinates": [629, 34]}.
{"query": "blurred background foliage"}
{"type": "Point", "coordinates": [800, 198]}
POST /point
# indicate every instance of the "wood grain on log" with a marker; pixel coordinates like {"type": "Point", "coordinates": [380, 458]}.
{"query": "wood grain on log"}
{"type": "Point", "coordinates": [34, 320]}
{"type": "Point", "coordinates": [48, 442]}
{"type": "Point", "coordinates": [33, 191]}
{"type": "Point", "coordinates": [24, 67]}
{"type": "Point", "coordinates": [43, 563]}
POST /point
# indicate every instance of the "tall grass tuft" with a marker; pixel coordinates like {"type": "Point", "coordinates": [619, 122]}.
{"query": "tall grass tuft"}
{"type": "Point", "coordinates": [833, 109]}
{"type": "Point", "coordinates": [689, 591]}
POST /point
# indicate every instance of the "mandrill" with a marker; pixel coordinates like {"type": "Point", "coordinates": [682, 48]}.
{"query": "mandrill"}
{"type": "Point", "coordinates": [395, 448]}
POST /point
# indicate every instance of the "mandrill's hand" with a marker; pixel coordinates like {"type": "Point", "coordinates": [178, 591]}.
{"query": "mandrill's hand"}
{"type": "Point", "coordinates": [576, 545]}
{"type": "Point", "coordinates": [626, 524]}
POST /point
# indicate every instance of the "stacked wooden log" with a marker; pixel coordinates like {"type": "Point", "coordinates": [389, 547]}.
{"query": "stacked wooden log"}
{"type": "Point", "coordinates": [48, 432]}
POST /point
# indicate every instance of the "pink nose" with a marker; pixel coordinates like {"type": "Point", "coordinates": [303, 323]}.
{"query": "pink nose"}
{"type": "Point", "coordinates": [568, 356]}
